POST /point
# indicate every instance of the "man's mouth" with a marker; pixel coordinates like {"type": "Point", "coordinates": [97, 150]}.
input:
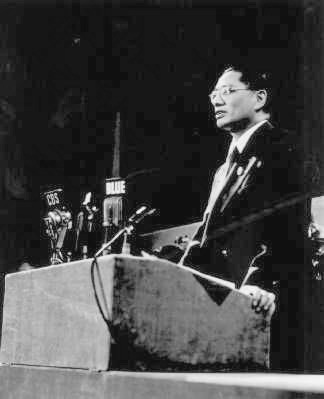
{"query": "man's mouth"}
{"type": "Point", "coordinates": [219, 114]}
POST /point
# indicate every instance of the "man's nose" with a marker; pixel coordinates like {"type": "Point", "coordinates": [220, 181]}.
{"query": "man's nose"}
{"type": "Point", "coordinates": [216, 99]}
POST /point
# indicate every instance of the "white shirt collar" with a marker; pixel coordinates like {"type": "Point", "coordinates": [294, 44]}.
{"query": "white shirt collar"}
{"type": "Point", "coordinates": [242, 141]}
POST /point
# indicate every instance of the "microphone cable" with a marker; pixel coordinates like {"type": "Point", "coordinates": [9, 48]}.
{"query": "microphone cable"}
{"type": "Point", "coordinates": [107, 318]}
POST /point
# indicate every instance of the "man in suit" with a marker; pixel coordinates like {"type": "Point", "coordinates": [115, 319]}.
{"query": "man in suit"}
{"type": "Point", "coordinates": [257, 215]}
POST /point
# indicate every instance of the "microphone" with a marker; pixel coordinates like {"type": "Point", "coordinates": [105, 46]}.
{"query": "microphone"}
{"type": "Point", "coordinates": [112, 211]}
{"type": "Point", "coordinates": [144, 214]}
{"type": "Point", "coordinates": [139, 215]}
{"type": "Point", "coordinates": [139, 212]}
{"type": "Point", "coordinates": [57, 221]}
{"type": "Point", "coordinates": [79, 221]}
{"type": "Point", "coordinates": [107, 213]}
{"type": "Point", "coordinates": [87, 198]}
{"type": "Point", "coordinates": [85, 220]}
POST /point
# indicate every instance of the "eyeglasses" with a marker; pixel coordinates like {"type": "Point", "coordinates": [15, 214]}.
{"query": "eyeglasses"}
{"type": "Point", "coordinates": [224, 92]}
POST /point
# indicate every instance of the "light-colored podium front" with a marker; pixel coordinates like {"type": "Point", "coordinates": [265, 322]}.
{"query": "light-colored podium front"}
{"type": "Point", "coordinates": [162, 319]}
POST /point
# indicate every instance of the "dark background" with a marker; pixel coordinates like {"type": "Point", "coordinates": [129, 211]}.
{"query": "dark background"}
{"type": "Point", "coordinates": [74, 65]}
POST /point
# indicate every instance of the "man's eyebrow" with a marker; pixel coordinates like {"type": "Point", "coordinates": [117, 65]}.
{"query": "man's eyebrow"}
{"type": "Point", "coordinates": [220, 87]}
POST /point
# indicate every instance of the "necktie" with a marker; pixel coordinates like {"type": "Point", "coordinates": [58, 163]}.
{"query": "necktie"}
{"type": "Point", "coordinates": [232, 158]}
{"type": "Point", "coordinates": [217, 186]}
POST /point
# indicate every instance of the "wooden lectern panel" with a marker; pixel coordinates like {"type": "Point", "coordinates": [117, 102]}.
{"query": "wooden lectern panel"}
{"type": "Point", "coordinates": [50, 317]}
{"type": "Point", "coordinates": [167, 314]}
{"type": "Point", "coordinates": [162, 319]}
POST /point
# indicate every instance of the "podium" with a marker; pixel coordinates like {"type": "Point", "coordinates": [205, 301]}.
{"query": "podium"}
{"type": "Point", "coordinates": [160, 318]}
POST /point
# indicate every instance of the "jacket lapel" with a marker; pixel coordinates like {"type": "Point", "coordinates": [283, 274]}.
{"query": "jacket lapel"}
{"type": "Point", "coordinates": [257, 142]}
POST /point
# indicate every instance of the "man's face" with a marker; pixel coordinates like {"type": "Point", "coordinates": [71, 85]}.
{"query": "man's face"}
{"type": "Point", "coordinates": [235, 106]}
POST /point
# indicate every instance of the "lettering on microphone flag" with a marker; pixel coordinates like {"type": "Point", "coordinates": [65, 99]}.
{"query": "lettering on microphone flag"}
{"type": "Point", "coordinates": [115, 186]}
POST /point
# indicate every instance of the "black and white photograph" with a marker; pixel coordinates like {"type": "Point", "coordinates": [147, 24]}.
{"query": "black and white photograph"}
{"type": "Point", "coordinates": [161, 199]}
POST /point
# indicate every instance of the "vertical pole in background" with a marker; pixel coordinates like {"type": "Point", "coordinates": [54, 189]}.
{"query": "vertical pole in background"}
{"type": "Point", "coordinates": [116, 155]}
{"type": "Point", "coordinates": [115, 190]}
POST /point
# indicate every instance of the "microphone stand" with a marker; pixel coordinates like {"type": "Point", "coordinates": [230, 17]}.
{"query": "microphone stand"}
{"type": "Point", "coordinates": [84, 225]}
{"type": "Point", "coordinates": [138, 216]}
{"type": "Point", "coordinates": [126, 229]}
{"type": "Point", "coordinates": [79, 228]}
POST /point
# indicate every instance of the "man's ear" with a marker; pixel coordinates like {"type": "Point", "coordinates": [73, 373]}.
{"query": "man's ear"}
{"type": "Point", "coordinates": [261, 96]}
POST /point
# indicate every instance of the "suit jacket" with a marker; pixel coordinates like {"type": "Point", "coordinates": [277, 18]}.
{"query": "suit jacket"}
{"type": "Point", "coordinates": [282, 231]}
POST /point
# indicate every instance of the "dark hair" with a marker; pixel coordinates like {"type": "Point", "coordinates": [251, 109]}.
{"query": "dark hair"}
{"type": "Point", "coordinates": [255, 79]}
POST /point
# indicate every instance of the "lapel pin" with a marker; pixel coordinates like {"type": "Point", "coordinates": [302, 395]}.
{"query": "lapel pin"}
{"type": "Point", "coordinates": [239, 171]}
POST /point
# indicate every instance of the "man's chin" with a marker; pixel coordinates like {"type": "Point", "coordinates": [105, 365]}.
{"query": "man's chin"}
{"type": "Point", "coordinates": [232, 126]}
{"type": "Point", "coordinates": [222, 125]}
